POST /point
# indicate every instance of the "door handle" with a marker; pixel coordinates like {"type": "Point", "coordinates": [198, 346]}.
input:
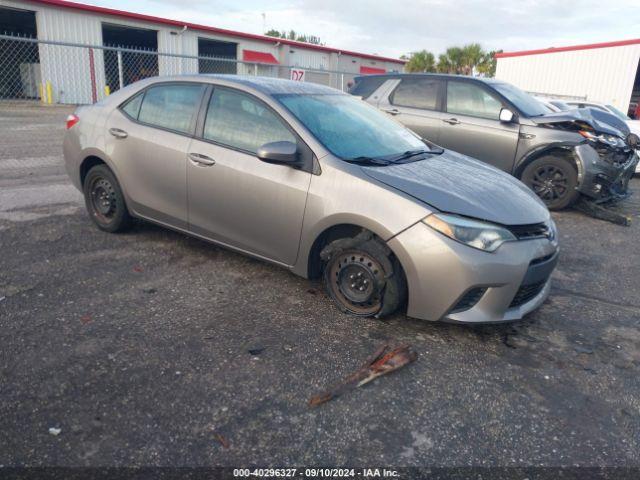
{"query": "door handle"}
{"type": "Point", "coordinates": [393, 111]}
{"type": "Point", "coordinates": [201, 159]}
{"type": "Point", "coordinates": [116, 132]}
{"type": "Point", "coordinates": [451, 121]}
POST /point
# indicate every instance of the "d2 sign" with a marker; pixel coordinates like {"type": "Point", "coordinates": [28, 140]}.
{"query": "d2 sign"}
{"type": "Point", "coordinates": [297, 75]}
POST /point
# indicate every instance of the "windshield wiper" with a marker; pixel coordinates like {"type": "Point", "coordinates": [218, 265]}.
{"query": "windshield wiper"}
{"type": "Point", "coordinates": [413, 153]}
{"type": "Point", "coordinates": [364, 160]}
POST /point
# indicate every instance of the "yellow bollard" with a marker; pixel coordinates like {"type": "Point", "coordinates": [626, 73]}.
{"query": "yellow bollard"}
{"type": "Point", "coordinates": [42, 99]}
{"type": "Point", "coordinates": [49, 93]}
{"type": "Point", "coordinates": [107, 90]}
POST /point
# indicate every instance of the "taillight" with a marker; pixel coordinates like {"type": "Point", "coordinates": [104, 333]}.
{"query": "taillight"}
{"type": "Point", "coordinates": [72, 120]}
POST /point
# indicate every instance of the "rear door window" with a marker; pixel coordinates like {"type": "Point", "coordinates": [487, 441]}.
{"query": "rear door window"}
{"type": "Point", "coordinates": [465, 98]}
{"type": "Point", "coordinates": [420, 93]}
{"type": "Point", "coordinates": [172, 107]}
{"type": "Point", "coordinates": [241, 121]}
{"type": "Point", "coordinates": [365, 87]}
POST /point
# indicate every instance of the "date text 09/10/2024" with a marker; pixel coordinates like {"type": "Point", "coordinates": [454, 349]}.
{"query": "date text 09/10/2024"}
{"type": "Point", "coordinates": [316, 473]}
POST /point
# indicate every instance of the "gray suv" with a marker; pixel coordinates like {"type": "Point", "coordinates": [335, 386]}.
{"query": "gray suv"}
{"type": "Point", "coordinates": [558, 155]}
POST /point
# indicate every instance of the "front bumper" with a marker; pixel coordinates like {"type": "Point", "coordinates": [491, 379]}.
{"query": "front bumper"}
{"type": "Point", "coordinates": [513, 280]}
{"type": "Point", "coordinates": [603, 181]}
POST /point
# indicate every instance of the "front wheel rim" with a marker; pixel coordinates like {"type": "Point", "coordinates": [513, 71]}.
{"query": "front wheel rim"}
{"type": "Point", "coordinates": [550, 183]}
{"type": "Point", "coordinates": [356, 280]}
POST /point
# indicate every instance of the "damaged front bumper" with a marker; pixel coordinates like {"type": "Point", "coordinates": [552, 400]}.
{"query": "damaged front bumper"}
{"type": "Point", "coordinates": [605, 177]}
{"type": "Point", "coordinates": [454, 282]}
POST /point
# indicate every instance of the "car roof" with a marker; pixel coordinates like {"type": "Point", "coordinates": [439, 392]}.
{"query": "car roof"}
{"type": "Point", "coordinates": [443, 76]}
{"type": "Point", "coordinates": [266, 85]}
{"type": "Point", "coordinates": [585, 102]}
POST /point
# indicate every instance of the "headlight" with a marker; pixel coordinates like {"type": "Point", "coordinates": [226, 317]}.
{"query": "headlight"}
{"type": "Point", "coordinates": [610, 140]}
{"type": "Point", "coordinates": [475, 233]}
{"type": "Point", "coordinates": [553, 230]}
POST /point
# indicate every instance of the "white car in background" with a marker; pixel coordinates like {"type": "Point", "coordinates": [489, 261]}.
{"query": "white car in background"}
{"type": "Point", "coordinates": [634, 125]}
{"type": "Point", "coordinates": [554, 105]}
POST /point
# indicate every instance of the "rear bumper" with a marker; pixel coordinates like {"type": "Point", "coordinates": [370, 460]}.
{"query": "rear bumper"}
{"type": "Point", "coordinates": [514, 280]}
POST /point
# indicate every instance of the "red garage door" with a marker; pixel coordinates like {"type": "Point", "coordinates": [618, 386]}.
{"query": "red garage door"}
{"type": "Point", "coordinates": [371, 70]}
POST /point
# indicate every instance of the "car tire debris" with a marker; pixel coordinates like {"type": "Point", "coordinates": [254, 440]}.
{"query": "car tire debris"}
{"type": "Point", "coordinates": [385, 360]}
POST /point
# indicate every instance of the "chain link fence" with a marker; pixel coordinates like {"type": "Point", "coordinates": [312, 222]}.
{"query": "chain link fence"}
{"type": "Point", "coordinates": [68, 73]}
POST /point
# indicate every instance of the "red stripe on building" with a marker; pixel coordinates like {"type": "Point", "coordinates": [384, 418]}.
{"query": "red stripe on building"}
{"type": "Point", "coordinates": [205, 28]}
{"type": "Point", "coordinates": [590, 46]}
{"type": "Point", "coordinates": [259, 57]}
{"type": "Point", "coordinates": [92, 75]}
{"type": "Point", "coordinates": [371, 70]}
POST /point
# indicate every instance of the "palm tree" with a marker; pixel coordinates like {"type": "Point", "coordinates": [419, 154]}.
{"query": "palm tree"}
{"type": "Point", "coordinates": [421, 61]}
{"type": "Point", "coordinates": [454, 60]}
{"type": "Point", "coordinates": [487, 66]}
{"type": "Point", "coordinates": [444, 64]}
{"type": "Point", "coordinates": [471, 56]}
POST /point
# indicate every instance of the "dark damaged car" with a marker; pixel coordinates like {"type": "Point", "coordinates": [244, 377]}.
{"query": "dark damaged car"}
{"type": "Point", "coordinates": [560, 156]}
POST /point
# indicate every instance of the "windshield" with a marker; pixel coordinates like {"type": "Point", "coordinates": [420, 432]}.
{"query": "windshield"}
{"type": "Point", "coordinates": [618, 113]}
{"type": "Point", "coordinates": [524, 102]}
{"type": "Point", "coordinates": [350, 128]}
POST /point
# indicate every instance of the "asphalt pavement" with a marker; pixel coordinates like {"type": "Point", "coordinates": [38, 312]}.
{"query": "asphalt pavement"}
{"type": "Point", "coordinates": [149, 347]}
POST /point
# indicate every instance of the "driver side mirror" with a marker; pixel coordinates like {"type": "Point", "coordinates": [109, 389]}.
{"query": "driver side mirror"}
{"type": "Point", "coordinates": [282, 153]}
{"type": "Point", "coordinates": [506, 115]}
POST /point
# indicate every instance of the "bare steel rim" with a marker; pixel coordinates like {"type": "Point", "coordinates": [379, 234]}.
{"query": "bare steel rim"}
{"type": "Point", "coordinates": [356, 280]}
{"type": "Point", "coordinates": [103, 200]}
{"type": "Point", "coordinates": [550, 182]}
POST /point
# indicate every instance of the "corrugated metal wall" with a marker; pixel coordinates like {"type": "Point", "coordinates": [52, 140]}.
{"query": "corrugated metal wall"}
{"type": "Point", "coordinates": [600, 74]}
{"type": "Point", "coordinates": [66, 68]}
{"type": "Point", "coordinates": [62, 24]}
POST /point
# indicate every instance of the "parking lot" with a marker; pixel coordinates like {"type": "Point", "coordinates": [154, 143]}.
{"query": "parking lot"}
{"type": "Point", "coordinates": [147, 348]}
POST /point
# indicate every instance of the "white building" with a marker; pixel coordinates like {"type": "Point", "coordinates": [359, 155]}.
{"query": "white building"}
{"type": "Point", "coordinates": [80, 75]}
{"type": "Point", "coordinates": [605, 72]}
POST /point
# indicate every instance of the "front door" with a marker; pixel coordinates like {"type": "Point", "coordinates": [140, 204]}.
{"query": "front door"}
{"type": "Point", "coordinates": [235, 198]}
{"type": "Point", "coordinates": [471, 126]}
{"type": "Point", "coordinates": [147, 139]}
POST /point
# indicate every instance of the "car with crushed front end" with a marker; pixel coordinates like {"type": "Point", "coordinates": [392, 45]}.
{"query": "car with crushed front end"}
{"type": "Point", "coordinates": [559, 155]}
{"type": "Point", "coordinates": [321, 183]}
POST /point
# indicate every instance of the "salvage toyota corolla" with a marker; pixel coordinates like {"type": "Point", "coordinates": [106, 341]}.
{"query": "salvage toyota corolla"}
{"type": "Point", "coordinates": [321, 183]}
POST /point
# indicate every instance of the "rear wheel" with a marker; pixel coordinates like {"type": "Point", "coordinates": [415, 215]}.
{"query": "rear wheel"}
{"type": "Point", "coordinates": [554, 180]}
{"type": "Point", "coordinates": [364, 279]}
{"type": "Point", "coordinates": [105, 201]}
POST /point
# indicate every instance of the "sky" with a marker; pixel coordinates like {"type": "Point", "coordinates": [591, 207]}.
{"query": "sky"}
{"type": "Point", "coordinates": [392, 28]}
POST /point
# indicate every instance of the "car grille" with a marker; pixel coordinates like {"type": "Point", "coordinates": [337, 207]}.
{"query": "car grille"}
{"type": "Point", "coordinates": [534, 230]}
{"type": "Point", "coordinates": [526, 293]}
{"type": "Point", "coordinates": [469, 299]}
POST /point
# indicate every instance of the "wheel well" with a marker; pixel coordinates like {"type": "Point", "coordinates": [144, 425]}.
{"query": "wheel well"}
{"type": "Point", "coordinates": [87, 164]}
{"type": "Point", "coordinates": [315, 263]}
{"type": "Point", "coordinates": [314, 267]}
{"type": "Point", "coordinates": [551, 152]}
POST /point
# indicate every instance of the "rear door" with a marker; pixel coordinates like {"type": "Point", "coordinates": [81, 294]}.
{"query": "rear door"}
{"type": "Point", "coordinates": [417, 103]}
{"type": "Point", "coordinates": [234, 197]}
{"type": "Point", "coordinates": [147, 139]}
{"type": "Point", "coordinates": [471, 125]}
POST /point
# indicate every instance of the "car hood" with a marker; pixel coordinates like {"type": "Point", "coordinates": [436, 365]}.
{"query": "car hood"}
{"type": "Point", "coordinates": [455, 183]}
{"type": "Point", "coordinates": [600, 121]}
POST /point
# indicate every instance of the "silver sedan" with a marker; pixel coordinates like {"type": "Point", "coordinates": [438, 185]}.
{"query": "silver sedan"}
{"type": "Point", "coordinates": [321, 183]}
